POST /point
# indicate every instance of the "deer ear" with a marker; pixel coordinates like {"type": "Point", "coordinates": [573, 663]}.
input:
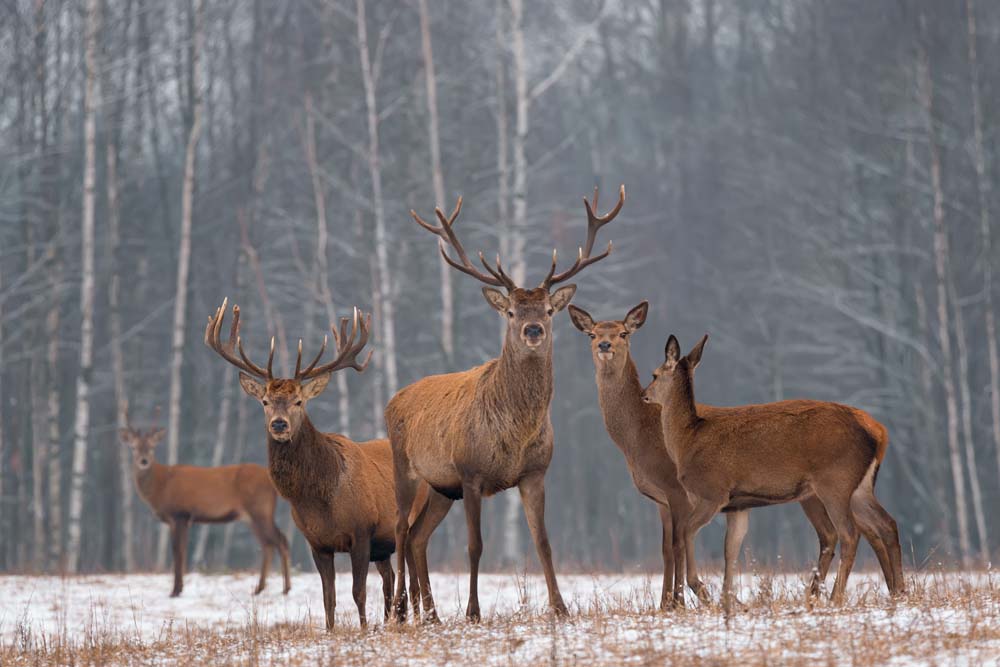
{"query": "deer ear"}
{"type": "Point", "coordinates": [125, 434]}
{"type": "Point", "coordinates": [561, 297]}
{"type": "Point", "coordinates": [636, 317]}
{"type": "Point", "coordinates": [252, 387]}
{"type": "Point", "coordinates": [497, 299]}
{"type": "Point", "coordinates": [672, 351]}
{"type": "Point", "coordinates": [694, 356]}
{"type": "Point", "coordinates": [581, 319]}
{"type": "Point", "coordinates": [155, 436]}
{"type": "Point", "coordinates": [316, 387]}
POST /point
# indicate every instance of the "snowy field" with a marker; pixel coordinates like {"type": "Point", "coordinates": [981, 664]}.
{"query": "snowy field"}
{"type": "Point", "coordinates": [947, 619]}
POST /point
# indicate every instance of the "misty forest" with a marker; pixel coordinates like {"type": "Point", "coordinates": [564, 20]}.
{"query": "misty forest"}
{"type": "Point", "coordinates": [812, 183]}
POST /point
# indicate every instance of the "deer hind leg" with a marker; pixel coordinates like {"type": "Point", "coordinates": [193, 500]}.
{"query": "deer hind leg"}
{"type": "Point", "coordinates": [327, 575]}
{"type": "Point", "coordinates": [360, 558]}
{"type": "Point", "coordinates": [179, 533]}
{"type": "Point", "coordinates": [282, 546]}
{"type": "Point", "coordinates": [737, 524]}
{"type": "Point", "coordinates": [473, 500]}
{"type": "Point", "coordinates": [838, 508]}
{"type": "Point", "coordinates": [420, 534]}
{"type": "Point", "coordinates": [265, 536]}
{"type": "Point", "coordinates": [880, 529]}
{"type": "Point", "coordinates": [405, 493]}
{"type": "Point", "coordinates": [532, 490]}
{"type": "Point", "coordinates": [827, 534]}
{"type": "Point", "coordinates": [384, 568]}
{"type": "Point", "coordinates": [667, 547]}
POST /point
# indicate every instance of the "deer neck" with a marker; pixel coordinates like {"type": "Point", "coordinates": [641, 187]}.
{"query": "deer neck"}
{"type": "Point", "coordinates": [626, 416]}
{"type": "Point", "coordinates": [679, 414]}
{"type": "Point", "coordinates": [522, 383]}
{"type": "Point", "coordinates": [150, 481]}
{"type": "Point", "coordinates": [296, 466]}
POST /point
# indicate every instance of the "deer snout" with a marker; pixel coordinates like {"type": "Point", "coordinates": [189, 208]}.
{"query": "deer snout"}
{"type": "Point", "coordinates": [533, 331]}
{"type": "Point", "coordinates": [279, 425]}
{"type": "Point", "coordinates": [604, 346]}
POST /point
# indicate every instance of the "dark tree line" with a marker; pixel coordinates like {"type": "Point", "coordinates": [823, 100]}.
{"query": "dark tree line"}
{"type": "Point", "coordinates": [811, 182]}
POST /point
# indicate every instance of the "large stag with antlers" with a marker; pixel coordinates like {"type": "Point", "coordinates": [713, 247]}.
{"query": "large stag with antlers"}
{"type": "Point", "coordinates": [341, 491]}
{"type": "Point", "coordinates": [734, 459]}
{"type": "Point", "coordinates": [478, 432]}
{"type": "Point", "coordinates": [180, 495]}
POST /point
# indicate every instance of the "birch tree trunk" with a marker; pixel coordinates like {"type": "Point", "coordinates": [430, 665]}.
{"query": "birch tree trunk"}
{"type": "Point", "coordinates": [218, 451]}
{"type": "Point", "coordinates": [983, 195]}
{"type": "Point", "coordinates": [384, 287]}
{"type": "Point", "coordinates": [81, 430]}
{"type": "Point", "coordinates": [183, 264]}
{"type": "Point", "coordinates": [437, 176]}
{"type": "Point", "coordinates": [941, 270]}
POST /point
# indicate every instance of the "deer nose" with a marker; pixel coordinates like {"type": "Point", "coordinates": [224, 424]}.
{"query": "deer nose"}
{"type": "Point", "coordinates": [604, 346]}
{"type": "Point", "coordinates": [279, 425]}
{"type": "Point", "coordinates": [533, 330]}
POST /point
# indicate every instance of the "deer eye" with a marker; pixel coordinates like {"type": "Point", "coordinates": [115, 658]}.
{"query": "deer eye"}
{"type": "Point", "coordinates": [510, 313]}
{"type": "Point", "coordinates": [623, 335]}
{"type": "Point", "coordinates": [592, 336]}
{"type": "Point", "coordinates": [550, 311]}
{"type": "Point", "coordinates": [298, 402]}
{"type": "Point", "coordinates": [263, 401]}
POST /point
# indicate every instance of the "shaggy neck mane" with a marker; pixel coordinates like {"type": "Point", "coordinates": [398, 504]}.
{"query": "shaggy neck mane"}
{"type": "Point", "coordinates": [519, 384]}
{"type": "Point", "coordinates": [309, 459]}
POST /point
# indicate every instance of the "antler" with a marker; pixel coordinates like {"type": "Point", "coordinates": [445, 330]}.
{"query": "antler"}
{"type": "Point", "coordinates": [583, 258]}
{"type": "Point", "coordinates": [497, 276]}
{"type": "Point", "coordinates": [349, 346]}
{"type": "Point", "coordinates": [235, 342]}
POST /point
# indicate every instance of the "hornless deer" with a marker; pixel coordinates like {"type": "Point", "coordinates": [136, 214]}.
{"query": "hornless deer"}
{"type": "Point", "coordinates": [341, 491]}
{"type": "Point", "coordinates": [180, 495]}
{"type": "Point", "coordinates": [481, 431]}
{"type": "Point", "coordinates": [634, 426]}
{"type": "Point", "coordinates": [737, 458]}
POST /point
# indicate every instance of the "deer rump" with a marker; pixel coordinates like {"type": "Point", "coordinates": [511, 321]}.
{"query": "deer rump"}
{"type": "Point", "coordinates": [776, 453]}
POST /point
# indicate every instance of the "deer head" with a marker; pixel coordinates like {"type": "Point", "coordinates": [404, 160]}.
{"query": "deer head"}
{"type": "Point", "coordinates": [609, 340]}
{"type": "Point", "coordinates": [528, 311]}
{"type": "Point", "coordinates": [284, 399]}
{"type": "Point", "coordinates": [675, 372]}
{"type": "Point", "coordinates": [142, 443]}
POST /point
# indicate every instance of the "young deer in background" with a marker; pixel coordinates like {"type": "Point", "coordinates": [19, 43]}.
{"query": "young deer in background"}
{"type": "Point", "coordinates": [478, 432]}
{"type": "Point", "coordinates": [180, 495]}
{"type": "Point", "coordinates": [634, 425]}
{"type": "Point", "coordinates": [733, 459]}
{"type": "Point", "coordinates": [341, 491]}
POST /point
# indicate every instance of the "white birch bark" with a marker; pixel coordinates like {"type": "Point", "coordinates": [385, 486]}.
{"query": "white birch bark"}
{"type": "Point", "coordinates": [81, 429]}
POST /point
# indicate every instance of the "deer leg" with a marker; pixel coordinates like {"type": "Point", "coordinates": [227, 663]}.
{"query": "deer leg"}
{"type": "Point", "coordinates": [414, 584]}
{"type": "Point", "coordinates": [282, 545]}
{"type": "Point", "coordinates": [180, 542]}
{"type": "Point", "coordinates": [472, 499]}
{"type": "Point", "coordinates": [839, 510]}
{"type": "Point", "coordinates": [360, 557]}
{"type": "Point", "coordinates": [405, 492]}
{"type": "Point", "coordinates": [701, 513]}
{"type": "Point", "coordinates": [420, 534]}
{"type": "Point", "coordinates": [532, 490]}
{"type": "Point", "coordinates": [680, 556]}
{"type": "Point", "coordinates": [328, 575]}
{"type": "Point", "coordinates": [667, 547]}
{"type": "Point", "coordinates": [264, 537]}
{"type": "Point", "coordinates": [827, 534]}
{"type": "Point", "coordinates": [384, 568]}
{"type": "Point", "coordinates": [879, 528]}
{"type": "Point", "coordinates": [736, 529]}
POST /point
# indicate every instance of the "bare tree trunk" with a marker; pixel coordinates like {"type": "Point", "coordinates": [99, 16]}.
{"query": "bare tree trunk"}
{"type": "Point", "coordinates": [218, 451]}
{"type": "Point", "coordinates": [384, 287]}
{"type": "Point", "coordinates": [983, 193]}
{"type": "Point", "coordinates": [437, 176]}
{"type": "Point", "coordinates": [322, 268]}
{"type": "Point", "coordinates": [183, 264]}
{"type": "Point", "coordinates": [241, 437]}
{"type": "Point", "coordinates": [81, 429]}
{"type": "Point", "coordinates": [941, 268]}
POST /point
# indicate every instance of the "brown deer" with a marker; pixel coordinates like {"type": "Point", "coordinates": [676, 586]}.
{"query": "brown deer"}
{"type": "Point", "coordinates": [478, 432]}
{"type": "Point", "coordinates": [180, 495]}
{"type": "Point", "coordinates": [341, 491]}
{"type": "Point", "coordinates": [734, 459]}
{"type": "Point", "coordinates": [634, 426]}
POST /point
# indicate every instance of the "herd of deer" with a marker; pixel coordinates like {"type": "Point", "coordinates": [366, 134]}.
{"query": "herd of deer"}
{"type": "Point", "coordinates": [477, 432]}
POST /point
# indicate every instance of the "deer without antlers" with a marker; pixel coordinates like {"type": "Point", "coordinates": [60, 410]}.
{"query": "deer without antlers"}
{"type": "Point", "coordinates": [180, 495]}
{"type": "Point", "coordinates": [635, 428]}
{"type": "Point", "coordinates": [341, 491]}
{"type": "Point", "coordinates": [478, 432]}
{"type": "Point", "coordinates": [733, 459]}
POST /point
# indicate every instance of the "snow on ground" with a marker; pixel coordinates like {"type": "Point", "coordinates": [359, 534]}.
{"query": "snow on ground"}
{"type": "Point", "coordinates": [949, 619]}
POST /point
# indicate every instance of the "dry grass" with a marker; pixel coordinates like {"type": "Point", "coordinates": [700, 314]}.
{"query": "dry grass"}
{"type": "Point", "coordinates": [947, 619]}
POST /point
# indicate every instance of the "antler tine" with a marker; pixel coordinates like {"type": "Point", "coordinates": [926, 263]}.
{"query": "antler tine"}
{"type": "Point", "coordinates": [447, 235]}
{"type": "Point", "coordinates": [319, 355]}
{"type": "Point", "coordinates": [349, 346]}
{"type": "Point", "coordinates": [213, 332]}
{"type": "Point", "coordinates": [584, 258]}
{"type": "Point", "coordinates": [498, 272]}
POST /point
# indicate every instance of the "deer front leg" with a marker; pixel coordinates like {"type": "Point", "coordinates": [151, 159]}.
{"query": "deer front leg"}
{"type": "Point", "coordinates": [667, 547]}
{"type": "Point", "coordinates": [472, 499]}
{"type": "Point", "coordinates": [360, 557]}
{"type": "Point", "coordinates": [179, 535]}
{"type": "Point", "coordinates": [327, 575]}
{"type": "Point", "coordinates": [532, 490]}
{"type": "Point", "coordinates": [736, 529]}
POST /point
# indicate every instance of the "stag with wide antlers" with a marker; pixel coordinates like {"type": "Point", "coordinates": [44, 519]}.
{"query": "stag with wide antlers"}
{"type": "Point", "coordinates": [341, 491]}
{"type": "Point", "coordinates": [478, 432]}
{"type": "Point", "coordinates": [180, 495]}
